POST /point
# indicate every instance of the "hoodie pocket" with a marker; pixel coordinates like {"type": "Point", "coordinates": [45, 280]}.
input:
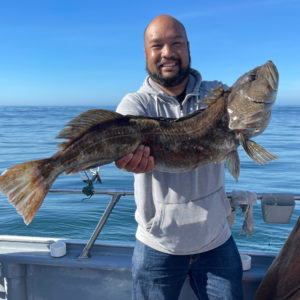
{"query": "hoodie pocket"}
{"type": "Point", "coordinates": [191, 226]}
{"type": "Point", "coordinates": [154, 225]}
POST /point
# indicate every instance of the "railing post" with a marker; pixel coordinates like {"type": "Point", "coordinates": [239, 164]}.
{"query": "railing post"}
{"type": "Point", "coordinates": [85, 253]}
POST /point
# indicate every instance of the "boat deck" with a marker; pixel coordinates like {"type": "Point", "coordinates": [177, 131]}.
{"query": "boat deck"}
{"type": "Point", "coordinates": [29, 272]}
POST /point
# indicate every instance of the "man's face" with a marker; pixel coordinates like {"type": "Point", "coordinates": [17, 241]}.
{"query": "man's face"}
{"type": "Point", "coordinates": [167, 53]}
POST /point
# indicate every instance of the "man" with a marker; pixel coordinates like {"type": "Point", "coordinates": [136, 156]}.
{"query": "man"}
{"type": "Point", "coordinates": [182, 226]}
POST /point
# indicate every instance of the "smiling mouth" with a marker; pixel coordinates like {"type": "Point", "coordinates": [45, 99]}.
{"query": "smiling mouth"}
{"type": "Point", "coordinates": [168, 66]}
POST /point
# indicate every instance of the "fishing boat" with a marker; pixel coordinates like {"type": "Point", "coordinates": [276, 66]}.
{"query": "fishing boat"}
{"type": "Point", "coordinates": [58, 269]}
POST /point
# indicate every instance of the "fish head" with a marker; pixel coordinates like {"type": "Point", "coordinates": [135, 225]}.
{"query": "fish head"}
{"type": "Point", "coordinates": [251, 99]}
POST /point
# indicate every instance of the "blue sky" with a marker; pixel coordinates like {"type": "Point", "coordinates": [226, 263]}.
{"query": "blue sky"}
{"type": "Point", "coordinates": [68, 52]}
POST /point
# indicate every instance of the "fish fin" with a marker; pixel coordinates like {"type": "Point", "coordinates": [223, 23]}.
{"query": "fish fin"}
{"type": "Point", "coordinates": [221, 160]}
{"type": "Point", "coordinates": [212, 96]}
{"type": "Point", "coordinates": [26, 186]}
{"type": "Point", "coordinates": [233, 164]}
{"type": "Point", "coordinates": [257, 153]}
{"type": "Point", "coordinates": [63, 145]}
{"type": "Point", "coordinates": [83, 122]}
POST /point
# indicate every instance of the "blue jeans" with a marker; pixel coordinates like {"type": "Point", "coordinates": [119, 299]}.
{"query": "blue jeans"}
{"type": "Point", "coordinates": [215, 274]}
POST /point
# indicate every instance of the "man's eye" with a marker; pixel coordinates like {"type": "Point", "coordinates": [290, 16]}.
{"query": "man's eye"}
{"type": "Point", "coordinates": [177, 44]}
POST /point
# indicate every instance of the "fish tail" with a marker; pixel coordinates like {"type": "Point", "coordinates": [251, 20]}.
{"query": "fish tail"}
{"type": "Point", "coordinates": [27, 184]}
{"type": "Point", "coordinates": [259, 154]}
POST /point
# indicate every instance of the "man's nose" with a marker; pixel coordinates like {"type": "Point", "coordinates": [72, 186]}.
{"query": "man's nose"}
{"type": "Point", "coordinates": [167, 51]}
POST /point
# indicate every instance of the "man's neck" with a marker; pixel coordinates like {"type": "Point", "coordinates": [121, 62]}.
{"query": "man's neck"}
{"type": "Point", "coordinates": [175, 90]}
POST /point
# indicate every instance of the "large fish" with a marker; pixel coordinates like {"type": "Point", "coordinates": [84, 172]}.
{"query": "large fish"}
{"type": "Point", "coordinates": [97, 137]}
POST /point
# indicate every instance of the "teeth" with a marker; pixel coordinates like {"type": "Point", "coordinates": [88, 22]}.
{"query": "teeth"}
{"type": "Point", "coordinates": [169, 65]}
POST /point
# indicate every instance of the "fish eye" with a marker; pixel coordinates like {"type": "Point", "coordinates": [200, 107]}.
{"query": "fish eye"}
{"type": "Point", "coordinates": [252, 76]}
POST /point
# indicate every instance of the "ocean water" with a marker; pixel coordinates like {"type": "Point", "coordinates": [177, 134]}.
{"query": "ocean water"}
{"type": "Point", "coordinates": [28, 133]}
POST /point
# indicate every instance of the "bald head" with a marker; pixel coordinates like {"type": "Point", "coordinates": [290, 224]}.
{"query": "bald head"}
{"type": "Point", "coordinates": [164, 22]}
{"type": "Point", "coordinates": [167, 52]}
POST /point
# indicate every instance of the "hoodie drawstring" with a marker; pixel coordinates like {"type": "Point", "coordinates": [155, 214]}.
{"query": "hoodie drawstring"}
{"type": "Point", "coordinates": [156, 105]}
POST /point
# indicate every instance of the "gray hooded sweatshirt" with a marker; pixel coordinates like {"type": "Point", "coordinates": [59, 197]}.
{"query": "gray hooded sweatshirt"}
{"type": "Point", "coordinates": [178, 213]}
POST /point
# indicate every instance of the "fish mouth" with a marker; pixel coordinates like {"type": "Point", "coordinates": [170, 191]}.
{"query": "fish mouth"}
{"type": "Point", "coordinates": [273, 77]}
{"type": "Point", "coordinates": [270, 74]}
{"type": "Point", "coordinates": [269, 78]}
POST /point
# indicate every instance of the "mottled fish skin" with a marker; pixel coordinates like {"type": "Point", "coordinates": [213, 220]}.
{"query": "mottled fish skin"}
{"type": "Point", "coordinates": [249, 107]}
{"type": "Point", "coordinates": [97, 137]}
{"type": "Point", "coordinates": [176, 144]}
{"type": "Point", "coordinates": [198, 139]}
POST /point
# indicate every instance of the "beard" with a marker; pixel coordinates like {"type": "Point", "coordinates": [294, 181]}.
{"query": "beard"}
{"type": "Point", "coordinates": [171, 81]}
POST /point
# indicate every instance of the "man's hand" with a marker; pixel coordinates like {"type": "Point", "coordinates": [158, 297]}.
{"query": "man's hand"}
{"type": "Point", "coordinates": [138, 162]}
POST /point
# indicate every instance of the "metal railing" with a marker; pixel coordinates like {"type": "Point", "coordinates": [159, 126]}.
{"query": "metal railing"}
{"type": "Point", "coordinates": [115, 194]}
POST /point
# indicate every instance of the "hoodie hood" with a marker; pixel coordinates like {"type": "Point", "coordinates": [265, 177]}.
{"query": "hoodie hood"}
{"type": "Point", "coordinates": [153, 101]}
{"type": "Point", "coordinates": [193, 87]}
{"type": "Point", "coordinates": [194, 91]}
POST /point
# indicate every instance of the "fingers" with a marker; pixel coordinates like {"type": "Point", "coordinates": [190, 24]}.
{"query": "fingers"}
{"type": "Point", "coordinates": [138, 162]}
{"type": "Point", "coordinates": [122, 162]}
{"type": "Point", "coordinates": [150, 165]}
{"type": "Point", "coordinates": [144, 162]}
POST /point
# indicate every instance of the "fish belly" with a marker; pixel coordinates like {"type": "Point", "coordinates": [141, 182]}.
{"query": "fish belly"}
{"type": "Point", "coordinates": [96, 150]}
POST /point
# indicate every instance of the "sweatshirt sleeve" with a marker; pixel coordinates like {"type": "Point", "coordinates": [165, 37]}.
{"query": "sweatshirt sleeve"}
{"type": "Point", "coordinates": [131, 105]}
